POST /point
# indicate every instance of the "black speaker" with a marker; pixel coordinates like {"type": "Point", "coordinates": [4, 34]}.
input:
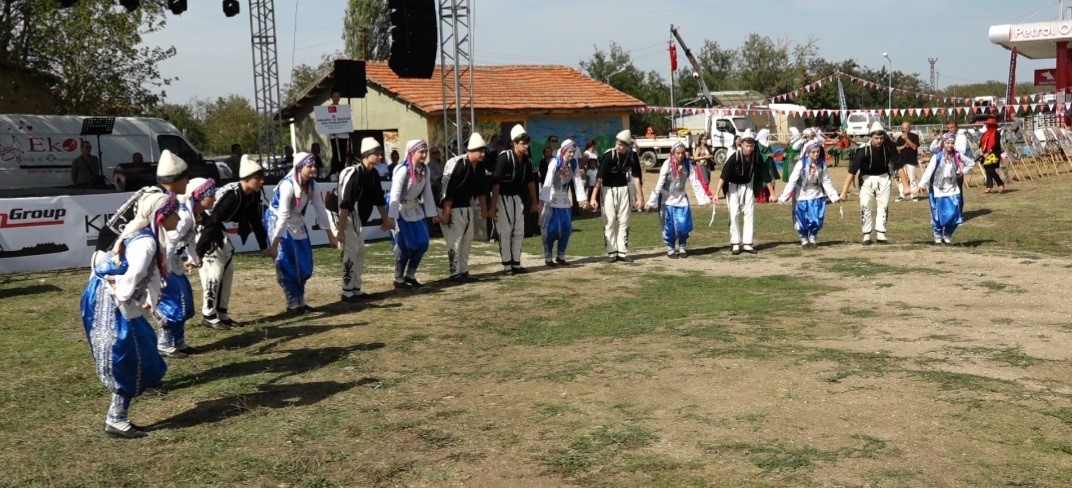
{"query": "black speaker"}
{"type": "Point", "coordinates": [350, 79]}
{"type": "Point", "coordinates": [414, 38]}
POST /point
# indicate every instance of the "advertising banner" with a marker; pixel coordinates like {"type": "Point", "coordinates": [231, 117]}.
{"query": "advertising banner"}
{"type": "Point", "coordinates": [49, 233]}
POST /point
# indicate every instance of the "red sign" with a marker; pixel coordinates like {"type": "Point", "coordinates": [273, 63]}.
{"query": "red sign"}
{"type": "Point", "coordinates": [1046, 76]}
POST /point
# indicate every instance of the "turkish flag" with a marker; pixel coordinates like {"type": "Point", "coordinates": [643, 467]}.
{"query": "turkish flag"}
{"type": "Point", "coordinates": [673, 57]}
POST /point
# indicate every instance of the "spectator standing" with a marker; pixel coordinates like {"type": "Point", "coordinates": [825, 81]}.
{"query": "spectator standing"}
{"type": "Point", "coordinates": [907, 162]}
{"type": "Point", "coordinates": [340, 143]}
{"type": "Point", "coordinates": [85, 168]}
{"type": "Point", "coordinates": [234, 160]}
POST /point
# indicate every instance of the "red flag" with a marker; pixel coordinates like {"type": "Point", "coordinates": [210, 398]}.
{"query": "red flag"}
{"type": "Point", "coordinates": [673, 57]}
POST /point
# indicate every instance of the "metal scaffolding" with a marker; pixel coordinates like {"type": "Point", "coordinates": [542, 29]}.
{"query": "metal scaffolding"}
{"type": "Point", "coordinates": [456, 72]}
{"type": "Point", "coordinates": [265, 75]}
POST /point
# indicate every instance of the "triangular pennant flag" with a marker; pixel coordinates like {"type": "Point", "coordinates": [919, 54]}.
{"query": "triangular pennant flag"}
{"type": "Point", "coordinates": [926, 111]}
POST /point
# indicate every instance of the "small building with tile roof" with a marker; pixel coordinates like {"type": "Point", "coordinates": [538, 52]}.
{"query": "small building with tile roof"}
{"type": "Point", "coordinates": [547, 100]}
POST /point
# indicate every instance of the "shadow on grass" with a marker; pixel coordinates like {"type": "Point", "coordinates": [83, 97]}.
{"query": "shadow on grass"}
{"type": "Point", "coordinates": [293, 363]}
{"type": "Point", "coordinates": [28, 290]}
{"type": "Point", "coordinates": [278, 333]}
{"type": "Point", "coordinates": [971, 214]}
{"type": "Point", "coordinates": [267, 396]}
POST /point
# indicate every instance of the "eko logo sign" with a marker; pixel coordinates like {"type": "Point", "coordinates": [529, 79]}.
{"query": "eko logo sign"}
{"type": "Point", "coordinates": [18, 217]}
{"type": "Point", "coordinates": [1041, 31]}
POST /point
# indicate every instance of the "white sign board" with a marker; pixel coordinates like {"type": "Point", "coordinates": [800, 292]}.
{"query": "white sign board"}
{"type": "Point", "coordinates": [47, 233]}
{"type": "Point", "coordinates": [333, 119]}
{"type": "Point", "coordinates": [1040, 31]}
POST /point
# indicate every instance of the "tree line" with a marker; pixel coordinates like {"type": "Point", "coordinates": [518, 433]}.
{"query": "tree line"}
{"type": "Point", "coordinates": [99, 66]}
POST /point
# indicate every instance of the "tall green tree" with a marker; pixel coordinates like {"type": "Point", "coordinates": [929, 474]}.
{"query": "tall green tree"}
{"type": "Point", "coordinates": [303, 76]}
{"type": "Point", "coordinates": [93, 49]}
{"type": "Point", "coordinates": [367, 30]}
{"type": "Point", "coordinates": [184, 119]}
{"type": "Point", "coordinates": [225, 121]}
{"type": "Point", "coordinates": [615, 67]}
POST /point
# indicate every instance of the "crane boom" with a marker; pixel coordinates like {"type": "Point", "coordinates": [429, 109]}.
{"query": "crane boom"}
{"type": "Point", "coordinates": [695, 66]}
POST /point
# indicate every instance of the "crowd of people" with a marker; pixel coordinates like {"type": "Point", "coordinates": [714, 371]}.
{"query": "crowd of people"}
{"type": "Point", "coordinates": [164, 230]}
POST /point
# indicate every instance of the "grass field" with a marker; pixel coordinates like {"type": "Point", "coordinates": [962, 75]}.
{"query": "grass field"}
{"type": "Point", "coordinates": [890, 366]}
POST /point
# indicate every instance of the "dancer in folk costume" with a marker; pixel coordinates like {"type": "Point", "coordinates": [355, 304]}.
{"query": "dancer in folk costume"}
{"type": "Point", "coordinates": [177, 300]}
{"type": "Point", "coordinates": [360, 190]}
{"type": "Point", "coordinates": [463, 182]}
{"type": "Point", "coordinates": [122, 286]}
{"type": "Point", "coordinates": [945, 195]}
{"type": "Point", "coordinates": [238, 202]}
{"type": "Point", "coordinates": [410, 204]}
{"type": "Point", "coordinates": [171, 176]}
{"type": "Point", "coordinates": [742, 178]}
{"type": "Point", "coordinates": [287, 231]}
{"type": "Point", "coordinates": [556, 218]}
{"type": "Point", "coordinates": [672, 198]}
{"type": "Point", "coordinates": [766, 194]}
{"type": "Point", "coordinates": [809, 186]}
{"type": "Point", "coordinates": [619, 167]}
{"type": "Point", "coordinates": [874, 166]}
{"type": "Point", "coordinates": [512, 177]}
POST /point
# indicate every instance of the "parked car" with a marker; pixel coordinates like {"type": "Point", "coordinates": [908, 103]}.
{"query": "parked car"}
{"type": "Point", "coordinates": [858, 124]}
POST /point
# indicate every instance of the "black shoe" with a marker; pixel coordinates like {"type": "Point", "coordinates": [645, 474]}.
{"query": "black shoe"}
{"type": "Point", "coordinates": [412, 282]}
{"type": "Point", "coordinates": [612, 259]}
{"type": "Point", "coordinates": [401, 285]}
{"type": "Point", "coordinates": [470, 278]}
{"type": "Point", "coordinates": [130, 433]}
{"type": "Point", "coordinates": [671, 255]}
{"type": "Point", "coordinates": [682, 254]}
{"type": "Point", "coordinates": [214, 323]}
{"type": "Point", "coordinates": [735, 250]}
{"type": "Point", "coordinates": [457, 278]}
{"type": "Point", "coordinates": [519, 270]}
{"type": "Point", "coordinates": [305, 309]}
{"type": "Point", "coordinates": [625, 259]}
{"type": "Point", "coordinates": [189, 350]}
{"type": "Point", "coordinates": [749, 249]}
{"type": "Point", "coordinates": [351, 298]}
{"type": "Point", "coordinates": [549, 263]}
{"type": "Point", "coordinates": [231, 323]}
{"type": "Point", "coordinates": [562, 262]}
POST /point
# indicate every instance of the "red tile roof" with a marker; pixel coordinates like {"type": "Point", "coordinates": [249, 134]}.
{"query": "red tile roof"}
{"type": "Point", "coordinates": [508, 88]}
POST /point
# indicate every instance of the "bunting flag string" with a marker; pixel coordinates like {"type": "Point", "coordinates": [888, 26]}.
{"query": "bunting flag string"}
{"type": "Point", "coordinates": [1025, 108]}
{"type": "Point", "coordinates": [814, 86]}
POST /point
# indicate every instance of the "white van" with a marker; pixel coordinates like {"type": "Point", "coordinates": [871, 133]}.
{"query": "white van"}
{"type": "Point", "coordinates": [36, 150]}
{"type": "Point", "coordinates": [859, 123]}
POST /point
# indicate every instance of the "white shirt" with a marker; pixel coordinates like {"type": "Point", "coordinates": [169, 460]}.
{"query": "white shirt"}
{"type": "Point", "coordinates": [813, 187]}
{"type": "Point", "coordinates": [184, 237]}
{"type": "Point", "coordinates": [945, 181]}
{"type": "Point", "coordinates": [405, 194]}
{"type": "Point", "coordinates": [289, 218]}
{"type": "Point", "coordinates": [673, 188]}
{"type": "Point", "coordinates": [555, 189]}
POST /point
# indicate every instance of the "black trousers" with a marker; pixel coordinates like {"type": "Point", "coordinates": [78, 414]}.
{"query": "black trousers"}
{"type": "Point", "coordinates": [992, 175]}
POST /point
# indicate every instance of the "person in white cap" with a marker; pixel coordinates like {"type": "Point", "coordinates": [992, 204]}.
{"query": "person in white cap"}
{"type": "Point", "coordinates": [809, 187]}
{"type": "Point", "coordinates": [513, 176]}
{"type": "Point", "coordinates": [360, 191]}
{"type": "Point", "coordinates": [618, 168]}
{"type": "Point", "coordinates": [176, 304]}
{"type": "Point", "coordinates": [462, 183]}
{"type": "Point", "coordinates": [410, 204]}
{"type": "Point", "coordinates": [113, 305]}
{"type": "Point", "coordinates": [742, 178]}
{"type": "Point", "coordinates": [875, 163]}
{"type": "Point", "coordinates": [556, 219]}
{"type": "Point", "coordinates": [288, 234]}
{"type": "Point", "coordinates": [237, 202]}
{"type": "Point", "coordinates": [171, 176]}
{"type": "Point", "coordinates": [672, 198]}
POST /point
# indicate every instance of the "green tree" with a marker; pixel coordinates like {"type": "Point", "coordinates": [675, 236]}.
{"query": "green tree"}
{"type": "Point", "coordinates": [303, 76]}
{"type": "Point", "coordinates": [226, 121]}
{"type": "Point", "coordinates": [94, 50]}
{"type": "Point", "coordinates": [650, 87]}
{"type": "Point", "coordinates": [367, 30]}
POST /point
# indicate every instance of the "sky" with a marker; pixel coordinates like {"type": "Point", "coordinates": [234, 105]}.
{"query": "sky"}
{"type": "Point", "coordinates": [214, 55]}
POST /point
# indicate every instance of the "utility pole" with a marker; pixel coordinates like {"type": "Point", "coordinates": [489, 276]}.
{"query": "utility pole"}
{"type": "Point", "coordinates": [934, 74]}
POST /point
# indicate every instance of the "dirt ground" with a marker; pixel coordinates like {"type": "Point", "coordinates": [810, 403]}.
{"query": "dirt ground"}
{"type": "Point", "coordinates": [910, 367]}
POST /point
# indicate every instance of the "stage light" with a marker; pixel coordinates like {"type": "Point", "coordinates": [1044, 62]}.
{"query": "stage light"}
{"type": "Point", "coordinates": [177, 7]}
{"type": "Point", "coordinates": [230, 8]}
{"type": "Point", "coordinates": [130, 5]}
